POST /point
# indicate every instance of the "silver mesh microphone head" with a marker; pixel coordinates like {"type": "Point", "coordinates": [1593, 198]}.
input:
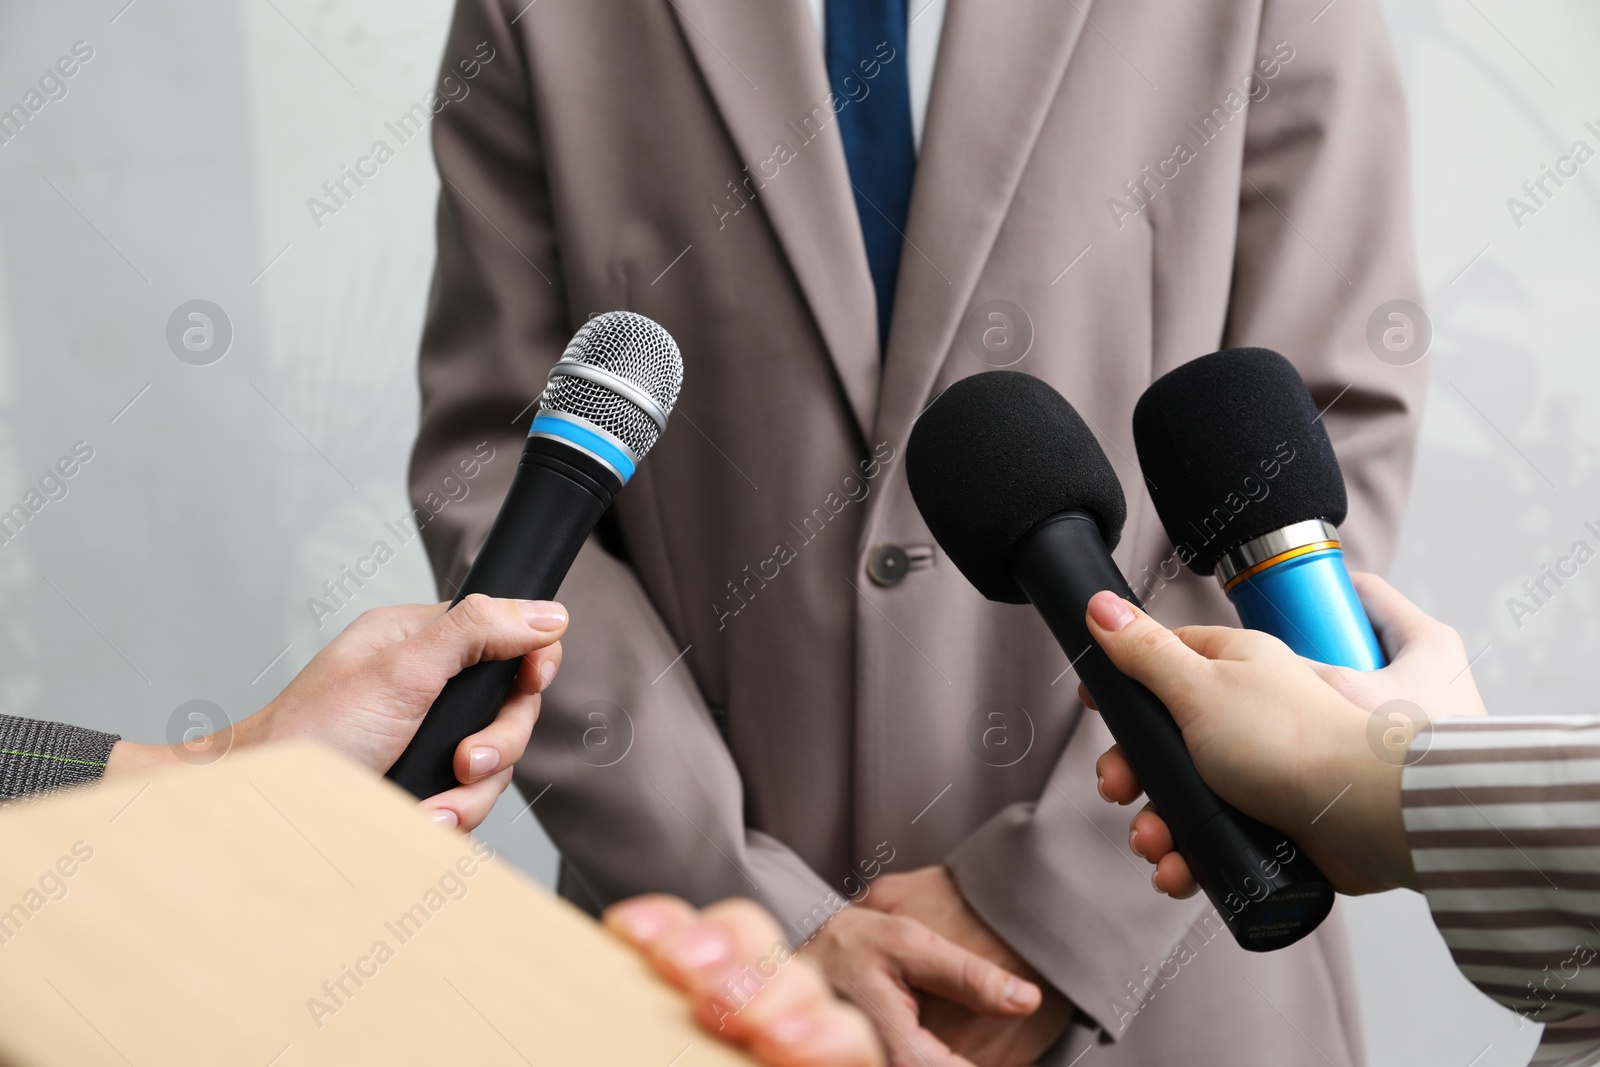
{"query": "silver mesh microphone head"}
{"type": "Point", "coordinates": [620, 375]}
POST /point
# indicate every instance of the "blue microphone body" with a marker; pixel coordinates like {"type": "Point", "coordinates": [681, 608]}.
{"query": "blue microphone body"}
{"type": "Point", "coordinates": [1301, 594]}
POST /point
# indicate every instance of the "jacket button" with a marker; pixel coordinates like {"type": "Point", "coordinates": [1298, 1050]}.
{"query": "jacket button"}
{"type": "Point", "coordinates": [887, 565]}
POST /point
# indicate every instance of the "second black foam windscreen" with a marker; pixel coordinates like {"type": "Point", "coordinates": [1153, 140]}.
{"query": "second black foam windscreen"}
{"type": "Point", "coordinates": [1232, 447]}
{"type": "Point", "coordinates": [995, 455]}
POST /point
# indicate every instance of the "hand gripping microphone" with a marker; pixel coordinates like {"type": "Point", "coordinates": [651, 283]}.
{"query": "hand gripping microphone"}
{"type": "Point", "coordinates": [1247, 485]}
{"type": "Point", "coordinates": [1023, 501]}
{"type": "Point", "coordinates": [605, 404]}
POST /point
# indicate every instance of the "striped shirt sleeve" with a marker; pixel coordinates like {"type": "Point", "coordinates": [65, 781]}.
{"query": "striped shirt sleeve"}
{"type": "Point", "coordinates": [1502, 817]}
{"type": "Point", "coordinates": [36, 757]}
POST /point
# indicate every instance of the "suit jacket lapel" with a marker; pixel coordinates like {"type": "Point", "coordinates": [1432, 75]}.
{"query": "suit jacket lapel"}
{"type": "Point", "coordinates": [763, 64]}
{"type": "Point", "coordinates": [996, 78]}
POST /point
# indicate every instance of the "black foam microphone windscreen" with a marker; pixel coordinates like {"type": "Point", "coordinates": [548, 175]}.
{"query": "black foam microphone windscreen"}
{"type": "Point", "coordinates": [993, 457]}
{"type": "Point", "coordinates": [1232, 447]}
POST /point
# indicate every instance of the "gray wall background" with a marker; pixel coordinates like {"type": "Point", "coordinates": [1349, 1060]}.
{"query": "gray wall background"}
{"type": "Point", "coordinates": [178, 564]}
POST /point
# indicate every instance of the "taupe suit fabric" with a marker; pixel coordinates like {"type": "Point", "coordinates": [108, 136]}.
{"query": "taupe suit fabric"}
{"type": "Point", "coordinates": [782, 750]}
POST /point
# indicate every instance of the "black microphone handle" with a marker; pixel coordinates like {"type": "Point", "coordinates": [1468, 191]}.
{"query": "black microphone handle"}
{"type": "Point", "coordinates": [1266, 890]}
{"type": "Point", "coordinates": [555, 499]}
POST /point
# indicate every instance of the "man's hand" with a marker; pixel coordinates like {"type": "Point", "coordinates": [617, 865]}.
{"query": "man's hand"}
{"type": "Point", "coordinates": [746, 984]}
{"type": "Point", "coordinates": [880, 962]}
{"type": "Point", "coordinates": [367, 691]}
{"type": "Point", "coordinates": [930, 896]}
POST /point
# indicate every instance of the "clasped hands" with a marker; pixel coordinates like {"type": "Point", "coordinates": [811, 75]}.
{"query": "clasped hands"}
{"type": "Point", "coordinates": [939, 986]}
{"type": "Point", "coordinates": [922, 981]}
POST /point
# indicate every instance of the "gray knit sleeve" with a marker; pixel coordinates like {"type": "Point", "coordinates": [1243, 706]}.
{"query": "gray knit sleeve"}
{"type": "Point", "coordinates": [36, 757]}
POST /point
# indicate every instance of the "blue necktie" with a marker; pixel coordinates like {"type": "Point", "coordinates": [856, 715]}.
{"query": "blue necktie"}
{"type": "Point", "coordinates": [875, 122]}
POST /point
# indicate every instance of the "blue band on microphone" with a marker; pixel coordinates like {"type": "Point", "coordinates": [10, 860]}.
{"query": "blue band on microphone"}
{"type": "Point", "coordinates": [1309, 603]}
{"type": "Point", "coordinates": [597, 445]}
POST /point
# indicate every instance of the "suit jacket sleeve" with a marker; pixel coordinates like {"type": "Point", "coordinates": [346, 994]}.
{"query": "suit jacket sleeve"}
{"type": "Point", "coordinates": [1324, 239]}
{"type": "Point", "coordinates": [668, 814]}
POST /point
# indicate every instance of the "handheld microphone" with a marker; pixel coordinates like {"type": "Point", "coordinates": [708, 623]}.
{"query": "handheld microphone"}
{"type": "Point", "coordinates": [605, 404]}
{"type": "Point", "coordinates": [1019, 495]}
{"type": "Point", "coordinates": [1248, 487]}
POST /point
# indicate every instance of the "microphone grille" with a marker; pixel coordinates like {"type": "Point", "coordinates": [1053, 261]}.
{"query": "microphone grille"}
{"type": "Point", "coordinates": [621, 373]}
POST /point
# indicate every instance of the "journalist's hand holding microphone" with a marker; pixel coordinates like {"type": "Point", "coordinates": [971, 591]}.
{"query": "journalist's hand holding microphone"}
{"type": "Point", "coordinates": [367, 691]}
{"type": "Point", "coordinates": [1285, 739]}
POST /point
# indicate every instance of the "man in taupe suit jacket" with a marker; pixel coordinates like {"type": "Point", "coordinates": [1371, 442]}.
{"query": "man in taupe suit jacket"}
{"type": "Point", "coordinates": [775, 686]}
